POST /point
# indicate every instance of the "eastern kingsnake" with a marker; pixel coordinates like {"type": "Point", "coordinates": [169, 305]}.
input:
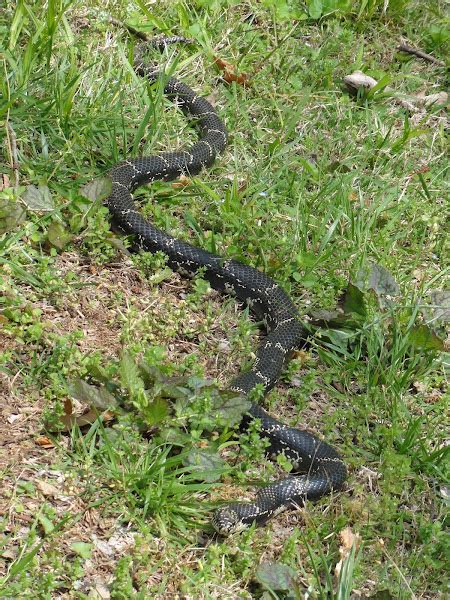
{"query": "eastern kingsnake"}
{"type": "Point", "coordinates": [321, 467]}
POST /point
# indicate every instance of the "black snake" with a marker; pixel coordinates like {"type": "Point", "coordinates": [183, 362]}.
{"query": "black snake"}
{"type": "Point", "coordinates": [321, 467]}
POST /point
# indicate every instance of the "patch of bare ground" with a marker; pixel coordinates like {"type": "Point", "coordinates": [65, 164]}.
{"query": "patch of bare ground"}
{"type": "Point", "coordinates": [118, 297]}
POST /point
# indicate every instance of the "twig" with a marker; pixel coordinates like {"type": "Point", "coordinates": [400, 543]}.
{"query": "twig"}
{"type": "Point", "coordinates": [416, 52]}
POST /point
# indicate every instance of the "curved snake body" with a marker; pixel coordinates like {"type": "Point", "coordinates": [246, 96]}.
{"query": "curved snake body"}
{"type": "Point", "coordinates": [322, 468]}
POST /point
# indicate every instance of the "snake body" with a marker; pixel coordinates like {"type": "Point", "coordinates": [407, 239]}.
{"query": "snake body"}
{"type": "Point", "coordinates": [321, 467]}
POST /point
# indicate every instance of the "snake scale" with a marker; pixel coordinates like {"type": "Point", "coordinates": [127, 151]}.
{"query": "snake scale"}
{"type": "Point", "coordinates": [317, 467]}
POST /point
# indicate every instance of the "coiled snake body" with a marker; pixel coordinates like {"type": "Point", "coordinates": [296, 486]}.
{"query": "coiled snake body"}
{"type": "Point", "coordinates": [321, 467]}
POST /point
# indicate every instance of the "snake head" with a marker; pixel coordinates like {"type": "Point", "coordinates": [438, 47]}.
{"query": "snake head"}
{"type": "Point", "coordinates": [226, 521]}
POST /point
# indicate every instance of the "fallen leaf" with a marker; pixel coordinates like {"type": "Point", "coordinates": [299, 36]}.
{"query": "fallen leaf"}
{"type": "Point", "coordinates": [422, 170]}
{"type": "Point", "coordinates": [88, 418]}
{"type": "Point", "coordinates": [349, 540]}
{"type": "Point", "coordinates": [13, 418]}
{"type": "Point", "coordinates": [68, 406]}
{"type": "Point", "coordinates": [360, 83]}
{"type": "Point", "coordinates": [101, 590]}
{"type": "Point", "coordinates": [229, 72]}
{"type": "Point", "coordinates": [9, 554]}
{"type": "Point", "coordinates": [44, 442]}
{"type": "Point", "coordinates": [104, 547]}
{"type": "Point", "coordinates": [122, 539]}
{"type": "Point", "coordinates": [359, 80]}
{"type": "Point", "coordinates": [181, 182]}
{"type": "Point", "coordinates": [438, 99]}
{"type": "Point", "coordinates": [47, 488]}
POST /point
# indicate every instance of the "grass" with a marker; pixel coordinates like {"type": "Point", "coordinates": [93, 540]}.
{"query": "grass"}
{"type": "Point", "coordinates": [316, 188]}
